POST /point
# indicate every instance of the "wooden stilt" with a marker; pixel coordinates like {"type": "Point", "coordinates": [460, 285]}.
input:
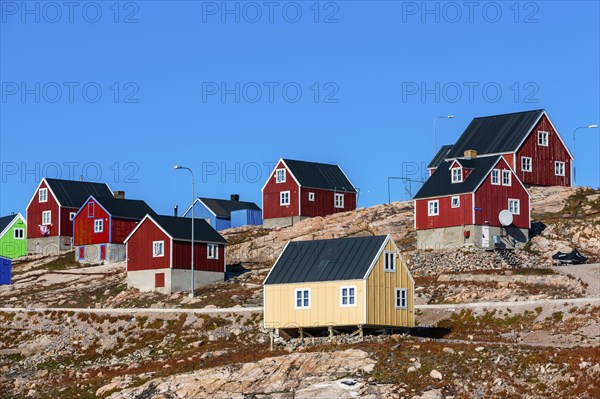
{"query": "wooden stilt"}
{"type": "Point", "coordinates": [301, 332]}
{"type": "Point", "coordinates": [272, 334]}
{"type": "Point", "coordinates": [330, 331]}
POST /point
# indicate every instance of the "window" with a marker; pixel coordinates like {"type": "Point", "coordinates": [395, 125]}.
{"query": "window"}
{"type": "Point", "coordinates": [389, 264]}
{"type": "Point", "coordinates": [506, 177]}
{"type": "Point", "coordinates": [302, 298]}
{"type": "Point", "coordinates": [46, 217]}
{"type": "Point", "coordinates": [455, 202]}
{"type": "Point", "coordinates": [72, 215]}
{"type": "Point", "coordinates": [98, 226]}
{"type": "Point", "coordinates": [90, 210]}
{"type": "Point", "coordinates": [311, 196]}
{"type": "Point", "coordinates": [526, 164]}
{"type": "Point", "coordinates": [457, 176]}
{"type": "Point", "coordinates": [213, 251]}
{"type": "Point", "coordinates": [43, 195]}
{"type": "Point", "coordinates": [514, 206]}
{"type": "Point", "coordinates": [559, 168]}
{"type": "Point", "coordinates": [496, 177]}
{"type": "Point", "coordinates": [19, 234]}
{"type": "Point", "coordinates": [158, 248]}
{"type": "Point", "coordinates": [543, 138]}
{"type": "Point", "coordinates": [434, 208]}
{"type": "Point", "coordinates": [284, 198]}
{"type": "Point", "coordinates": [401, 298]}
{"type": "Point", "coordinates": [280, 176]}
{"type": "Point", "coordinates": [338, 201]}
{"type": "Point", "coordinates": [348, 296]}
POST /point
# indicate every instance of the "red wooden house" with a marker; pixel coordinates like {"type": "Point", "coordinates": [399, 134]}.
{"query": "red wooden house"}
{"type": "Point", "coordinates": [159, 254]}
{"type": "Point", "coordinates": [460, 205]}
{"type": "Point", "coordinates": [101, 226]}
{"type": "Point", "coordinates": [528, 140]}
{"type": "Point", "coordinates": [296, 190]}
{"type": "Point", "coordinates": [51, 210]}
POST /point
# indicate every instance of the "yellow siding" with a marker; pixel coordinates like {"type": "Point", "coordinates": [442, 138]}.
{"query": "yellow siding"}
{"type": "Point", "coordinates": [325, 308]}
{"type": "Point", "coordinates": [381, 293]}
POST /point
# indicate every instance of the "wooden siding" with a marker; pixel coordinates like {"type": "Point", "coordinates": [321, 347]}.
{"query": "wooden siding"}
{"type": "Point", "coordinates": [84, 225]}
{"type": "Point", "coordinates": [325, 309]}
{"type": "Point", "coordinates": [543, 158]}
{"type": "Point", "coordinates": [139, 248]}
{"type": "Point", "coordinates": [66, 225]}
{"type": "Point", "coordinates": [182, 254]}
{"type": "Point", "coordinates": [121, 228]}
{"type": "Point", "coordinates": [270, 194]}
{"type": "Point", "coordinates": [323, 204]}
{"type": "Point", "coordinates": [381, 294]}
{"type": "Point", "coordinates": [448, 216]}
{"type": "Point", "coordinates": [34, 214]}
{"type": "Point", "coordinates": [10, 247]}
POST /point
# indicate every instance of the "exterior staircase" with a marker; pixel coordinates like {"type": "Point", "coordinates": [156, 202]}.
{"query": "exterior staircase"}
{"type": "Point", "coordinates": [508, 257]}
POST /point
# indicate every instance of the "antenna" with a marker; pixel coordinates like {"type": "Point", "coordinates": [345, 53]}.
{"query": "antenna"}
{"type": "Point", "coordinates": [407, 186]}
{"type": "Point", "coordinates": [505, 217]}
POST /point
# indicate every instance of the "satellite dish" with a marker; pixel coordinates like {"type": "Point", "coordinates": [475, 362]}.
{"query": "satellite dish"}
{"type": "Point", "coordinates": [505, 217]}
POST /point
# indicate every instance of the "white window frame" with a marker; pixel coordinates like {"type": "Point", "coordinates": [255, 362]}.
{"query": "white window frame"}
{"type": "Point", "coordinates": [311, 196]}
{"type": "Point", "coordinates": [387, 267]}
{"type": "Point", "coordinates": [155, 253]}
{"type": "Point", "coordinates": [303, 298]}
{"type": "Point", "coordinates": [457, 198]}
{"type": "Point", "coordinates": [212, 251]}
{"type": "Point", "coordinates": [401, 300]}
{"type": "Point", "coordinates": [19, 236]}
{"type": "Point", "coordinates": [517, 202]}
{"type": "Point", "coordinates": [437, 207]}
{"type": "Point", "coordinates": [98, 225]}
{"type": "Point", "coordinates": [281, 197]}
{"type": "Point", "coordinates": [559, 168]}
{"type": "Point", "coordinates": [543, 138]}
{"type": "Point", "coordinates": [338, 201]}
{"type": "Point", "coordinates": [43, 198]}
{"type": "Point", "coordinates": [49, 221]}
{"type": "Point", "coordinates": [350, 296]}
{"type": "Point", "coordinates": [457, 177]}
{"type": "Point", "coordinates": [506, 173]}
{"type": "Point", "coordinates": [526, 161]}
{"type": "Point", "coordinates": [280, 175]}
{"type": "Point", "coordinates": [496, 177]}
{"type": "Point", "coordinates": [72, 216]}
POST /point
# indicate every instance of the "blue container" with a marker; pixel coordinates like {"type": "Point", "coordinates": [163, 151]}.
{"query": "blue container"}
{"type": "Point", "coordinates": [5, 270]}
{"type": "Point", "coordinates": [246, 217]}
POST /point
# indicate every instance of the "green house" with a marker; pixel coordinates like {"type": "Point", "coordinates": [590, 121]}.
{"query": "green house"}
{"type": "Point", "coordinates": [13, 236]}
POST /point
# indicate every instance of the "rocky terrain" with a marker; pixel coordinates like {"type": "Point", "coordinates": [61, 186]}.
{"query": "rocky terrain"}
{"type": "Point", "coordinates": [540, 349]}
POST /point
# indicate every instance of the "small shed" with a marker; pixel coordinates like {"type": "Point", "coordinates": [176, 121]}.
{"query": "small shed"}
{"type": "Point", "coordinates": [5, 270]}
{"type": "Point", "coordinates": [223, 214]}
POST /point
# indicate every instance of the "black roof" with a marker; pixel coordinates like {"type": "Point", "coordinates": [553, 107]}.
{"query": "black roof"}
{"type": "Point", "coordinates": [223, 208]}
{"type": "Point", "coordinates": [440, 182]}
{"type": "Point", "coordinates": [126, 208]}
{"type": "Point", "coordinates": [319, 175]}
{"type": "Point", "coordinates": [495, 134]}
{"type": "Point", "coordinates": [5, 221]}
{"type": "Point", "coordinates": [325, 260]}
{"type": "Point", "coordinates": [74, 193]}
{"type": "Point", "coordinates": [181, 229]}
{"type": "Point", "coordinates": [440, 156]}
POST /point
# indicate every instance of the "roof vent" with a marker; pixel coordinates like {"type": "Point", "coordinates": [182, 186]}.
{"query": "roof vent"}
{"type": "Point", "coordinates": [235, 197]}
{"type": "Point", "coordinates": [119, 194]}
{"type": "Point", "coordinates": [470, 154]}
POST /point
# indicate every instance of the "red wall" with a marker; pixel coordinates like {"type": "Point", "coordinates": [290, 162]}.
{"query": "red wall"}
{"type": "Point", "coordinates": [271, 207]}
{"type": "Point", "coordinates": [323, 204]}
{"type": "Point", "coordinates": [34, 215]}
{"type": "Point", "coordinates": [121, 229]}
{"type": "Point", "coordinates": [543, 158]}
{"type": "Point", "coordinates": [84, 226]}
{"type": "Point", "coordinates": [182, 254]}
{"type": "Point", "coordinates": [448, 216]}
{"type": "Point", "coordinates": [66, 226]}
{"type": "Point", "coordinates": [139, 248]}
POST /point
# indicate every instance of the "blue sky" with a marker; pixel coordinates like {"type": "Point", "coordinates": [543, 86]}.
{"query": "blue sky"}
{"type": "Point", "coordinates": [122, 93]}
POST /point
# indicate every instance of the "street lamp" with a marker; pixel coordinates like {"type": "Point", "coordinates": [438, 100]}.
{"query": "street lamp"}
{"type": "Point", "coordinates": [575, 151]}
{"type": "Point", "coordinates": [434, 135]}
{"type": "Point", "coordinates": [193, 198]}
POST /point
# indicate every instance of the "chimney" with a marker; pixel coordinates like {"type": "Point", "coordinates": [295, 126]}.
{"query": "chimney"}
{"type": "Point", "coordinates": [175, 210]}
{"type": "Point", "coordinates": [235, 197]}
{"type": "Point", "coordinates": [119, 194]}
{"type": "Point", "coordinates": [470, 154]}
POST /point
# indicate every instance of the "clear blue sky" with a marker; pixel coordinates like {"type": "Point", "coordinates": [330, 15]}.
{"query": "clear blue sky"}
{"type": "Point", "coordinates": [372, 77]}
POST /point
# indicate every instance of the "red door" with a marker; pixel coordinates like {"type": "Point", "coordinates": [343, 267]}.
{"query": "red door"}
{"type": "Point", "coordinates": [159, 280]}
{"type": "Point", "coordinates": [102, 252]}
{"type": "Point", "coordinates": [81, 253]}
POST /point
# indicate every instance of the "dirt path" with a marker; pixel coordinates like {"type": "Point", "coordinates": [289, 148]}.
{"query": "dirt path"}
{"type": "Point", "coordinates": [589, 274]}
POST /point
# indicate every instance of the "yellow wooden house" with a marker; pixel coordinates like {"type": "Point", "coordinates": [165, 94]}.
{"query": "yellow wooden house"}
{"type": "Point", "coordinates": [348, 283]}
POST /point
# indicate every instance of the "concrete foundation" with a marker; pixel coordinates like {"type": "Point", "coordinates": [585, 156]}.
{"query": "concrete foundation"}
{"type": "Point", "coordinates": [485, 237]}
{"type": "Point", "coordinates": [114, 253]}
{"type": "Point", "coordinates": [175, 280]}
{"type": "Point", "coordinates": [48, 245]}
{"type": "Point", "coordinates": [282, 222]}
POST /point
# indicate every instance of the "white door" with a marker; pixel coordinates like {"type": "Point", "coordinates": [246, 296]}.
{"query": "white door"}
{"type": "Point", "coordinates": [485, 236]}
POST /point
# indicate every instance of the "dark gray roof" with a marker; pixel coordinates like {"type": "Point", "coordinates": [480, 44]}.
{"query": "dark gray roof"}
{"type": "Point", "coordinates": [126, 208]}
{"type": "Point", "coordinates": [325, 260]}
{"type": "Point", "coordinates": [495, 134]}
{"type": "Point", "coordinates": [319, 175]}
{"type": "Point", "coordinates": [440, 182]}
{"type": "Point", "coordinates": [5, 221]}
{"type": "Point", "coordinates": [223, 208]}
{"type": "Point", "coordinates": [440, 156]}
{"type": "Point", "coordinates": [181, 229]}
{"type": "Point", "coordinates": [74, 193]}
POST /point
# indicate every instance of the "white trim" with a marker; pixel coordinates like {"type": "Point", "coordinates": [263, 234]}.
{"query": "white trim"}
{"type": "Point", "coordinates": [376, 258]}
{"type": "Point", "coordinates": [457, 198]}
{"type": "Point", "coordinates": [194, 203]}
{"type": "Point", "coordinates": [530, 169]}
{"type": "Point", "coordinates": [396, 297]}
{"type": "Point", "coordinates": [499, 181]}
{"type": "Point", "coordinates": [437, 208]}
{"type": "Point", "coordinates": [518, 202]}
{"type": "Point", "coordinates": [284, 170]}
{"type": "Point", "coordinates": [281, 195]}
{"type": "Point", "coordinates": [72, 216]}
{"type": "Point", "coordinates": [507, 172]}
{"type": "Point", "coordinates": [162, 253]}
{"type": "Point", "coordinates": [49, 218]}
{"type": "Point", "coordinates": [460, 175]}
{"type": "Point", "coordinates": [493, 167]}
{"type": "Point", "coordinates": [12, 222]}
{"type": "Point", "coordinates": [311, 196]}
{"type": "Point", "coordinates": [45, 190]}
{"type": "Point", "coordinates": [542, 134]}
{"type": "Point", "coordinates": [142, 221]}
{"type": "Point", "coordinates": [402, 261]}
{"type": "Point", "coordinates": [473, 206]}
{"type": "Point", "coordinates": [455, 160]}
{"type": "Point", "coordinates": [348, 305]}
{"type": "Point", "coordinates": [564, 166]}
{"type": "Point", "coordinates": [335, 198]}
{"type": "Point", "coordinates": [22, 230]}
{"type": "Point", "coordinates": [273, 171]}
{"type": "Point", "coordinates": [100, 224]}
{"type": "Point", "coordinates": [275, 264]}
{"type": "Point", "coordinates": [208, 251]}
{"type": "Point", "coordinates": [53, 195]}
{"type": "Point", "coordinates": [385, 256]}
{"type": "Point", "coordinates": [544, 113]}
{"type": "Point", "coordinates": [296, 307]}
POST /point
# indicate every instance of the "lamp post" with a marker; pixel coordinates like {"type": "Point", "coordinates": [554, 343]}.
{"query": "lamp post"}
{"type": "Point", "coordinates": [434, 127]}
{"type": "Point", "coordinates": [575, 151]}
{"type": "Point", "coordinates": [193, 198]}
